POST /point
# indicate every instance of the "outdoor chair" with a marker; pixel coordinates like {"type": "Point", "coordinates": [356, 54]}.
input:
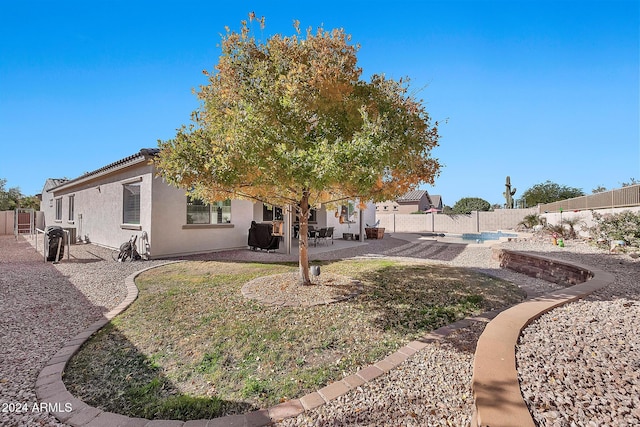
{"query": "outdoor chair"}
{"type": "Point", "coordinates": [321, 235]}
{"type": "Point", "coordinates": [324, 234]}
{"type": "Point", "coordinates": [329, 234]}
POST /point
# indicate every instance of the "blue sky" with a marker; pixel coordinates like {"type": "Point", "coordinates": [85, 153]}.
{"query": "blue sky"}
{"type": "Point", "coordinates": [537, 90]}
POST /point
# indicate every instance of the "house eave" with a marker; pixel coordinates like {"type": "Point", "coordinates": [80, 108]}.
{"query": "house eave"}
{"type": "Point", "coordinates": [142, 157]}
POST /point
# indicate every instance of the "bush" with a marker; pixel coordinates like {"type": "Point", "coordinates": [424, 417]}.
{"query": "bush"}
{"type": "Point", "coordinates": [572, 223]}
{"type": "Point", "coordinates": [621, 226]}
{"type": "Point", "coordinates": [468, 204]}
{"type": "Point", "coordinates": [556, 229]}
{"type": "Point", "coordinates": [531, 221]}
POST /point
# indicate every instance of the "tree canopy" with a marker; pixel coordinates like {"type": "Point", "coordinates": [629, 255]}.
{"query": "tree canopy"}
{"type": "Point", "coordinates": [468, 204]}
{"type": "Point", "coordinates": [290, 122]}
{"type": "Point", "coordinates": [12, 198]}
{"type": "Point", "coordinates": [548, 192]}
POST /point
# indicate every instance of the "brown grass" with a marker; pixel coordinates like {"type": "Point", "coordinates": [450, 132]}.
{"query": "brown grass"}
{"type": "Point", "coordinates": [192, 347]}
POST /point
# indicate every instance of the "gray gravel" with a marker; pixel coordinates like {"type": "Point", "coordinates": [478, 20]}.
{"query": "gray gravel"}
{"type": "Point", "coordinates": [578, 363]}
{"type": "Point", "coordinates": [43, 305]}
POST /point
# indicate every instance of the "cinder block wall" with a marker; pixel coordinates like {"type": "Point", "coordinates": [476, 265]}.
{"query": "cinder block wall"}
{"type": "Point", "coordinates": [6, 222]}
{"type": "Point", "coordinates": [584, 217]}
{"type": "Point", "coordinates": [503, 219]}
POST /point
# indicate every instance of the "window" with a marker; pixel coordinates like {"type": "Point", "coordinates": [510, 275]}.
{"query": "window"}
{"type": "Point", "coordinates": [131, 203]}
{"type": "Point", "coordinates": [271, 213]}
{"type": "Point", "coordinates": [348, 213]}
{"type": "Point", "coordinates": [313, 216]}
{"type": "Point", "coordinates": [71, 208]}
{"type": "Point", "coordinates": [200, 212]}
{"type": "Point", "coordinates": [222, 212]}
{"type": "Point", "coordinates": [59, 209]}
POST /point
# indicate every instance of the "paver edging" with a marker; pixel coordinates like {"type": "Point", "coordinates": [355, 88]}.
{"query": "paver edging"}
{"type": "Point", "coordinates": [50, 376]}
{"type": "Point", "coordinates": [83, 414]}
{"type": "Point", "coordinates": [496, 389]}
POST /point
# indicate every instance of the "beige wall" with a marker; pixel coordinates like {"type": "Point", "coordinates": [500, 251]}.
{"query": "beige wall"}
{"type": "Point", "coordinates": [98, 214]}
{"type": "Point", "coordinates": [7, 222]}
{"type": "Point", "coordinates": [585, 217]}
{"type": "Point", "coordinates": [98, 206]}
{"type": "Point", "coordinates": [394, 207]}
{"type": "Point", "coordinates": [369, 217]}
{"type": "Point", "coordinates": [171, 235]}
{"type": "Point", "coordinates": [502, 219]}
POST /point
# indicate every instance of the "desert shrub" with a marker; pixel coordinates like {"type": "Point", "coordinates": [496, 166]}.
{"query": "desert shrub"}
{"type": "Point", "coordinates": [557, 229]}
{"type": "Point", "coordinates": [571, 223]}
{"type": "Point", "coordinates": [621, 226]}
{"type": "Point", "coordinates": [531, 221]}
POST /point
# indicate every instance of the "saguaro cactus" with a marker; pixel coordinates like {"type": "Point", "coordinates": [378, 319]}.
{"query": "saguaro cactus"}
{"type": "Point", "coordinates": [508, 194]}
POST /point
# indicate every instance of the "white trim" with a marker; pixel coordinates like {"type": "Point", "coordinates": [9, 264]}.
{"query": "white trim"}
{"type": "Point", "coordinates": [131, 181]}
{"type": "Point", "coordinates": [201, 226]}
{"type": "Point", "coordinates": [131, 226]}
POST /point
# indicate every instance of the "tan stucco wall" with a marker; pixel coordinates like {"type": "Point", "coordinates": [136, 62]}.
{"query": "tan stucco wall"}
{"type": "Point", "coordinates": [98, 206]}
{"type": "Point", "coordinates": [585, 217]}
{"type": "Point", "coordinates": [394, 207]}
{"type": "Point", "coordinates": [169, 236]}
{"type": "Point", "coordinates": [98, 215]}
{"type": "Point", "coordinates": [503, 219]}
{"type": "Point", "coordinates": [7, 221]}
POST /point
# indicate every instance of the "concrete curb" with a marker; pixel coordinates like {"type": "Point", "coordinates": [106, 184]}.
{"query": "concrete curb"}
{"type": "Point", "coordinates": [498, 400]}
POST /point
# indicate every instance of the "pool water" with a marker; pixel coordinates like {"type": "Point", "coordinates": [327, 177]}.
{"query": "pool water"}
{"type": "Point", "coordinates": [485, 235]}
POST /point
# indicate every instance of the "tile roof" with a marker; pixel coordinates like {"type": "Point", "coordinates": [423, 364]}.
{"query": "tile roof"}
{"type": "Point", "coordinates": [143, 153]}
{"type": "Point", "coordinates": [412, 196]}
{"type": "Point", "coordinates": [52, 183]}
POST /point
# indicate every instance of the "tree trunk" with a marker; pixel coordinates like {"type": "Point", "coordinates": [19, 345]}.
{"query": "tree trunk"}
{"type": "Point", "coordinates": [303, 262]}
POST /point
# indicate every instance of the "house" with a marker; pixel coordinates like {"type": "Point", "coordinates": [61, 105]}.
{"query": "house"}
{"type": "Point", "coordinates": [126, 197]}
{"type": "Point", "coordinates": [413, 201]}
{"type": "Point", "coordinates": [436, 203]}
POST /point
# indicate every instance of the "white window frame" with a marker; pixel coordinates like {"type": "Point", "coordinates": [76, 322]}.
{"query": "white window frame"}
{"type": "Point", "coordinates": [129, 216]}
{"type": "Point", "coordinates": [72, 209]}
{"type": "Point", "coordinates": [58, 209]}
{"type": "Point", "coordinates": [218, 213]}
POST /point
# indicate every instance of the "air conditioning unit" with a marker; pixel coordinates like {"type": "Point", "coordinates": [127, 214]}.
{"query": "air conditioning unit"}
{"type": "Point", "coordinates": [72, 235]}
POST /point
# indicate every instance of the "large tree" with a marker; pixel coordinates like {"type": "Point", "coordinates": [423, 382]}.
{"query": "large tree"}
{"type": "Point", "coordinates": [548, 192]}
{"type": "Point", "coordinates": [290, 122]}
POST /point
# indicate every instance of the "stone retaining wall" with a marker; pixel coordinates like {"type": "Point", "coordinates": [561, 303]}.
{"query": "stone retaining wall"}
{"type": "Point", "coordinates": [543, 268]}
{"type": "Point", "coordinates": [496, 389]}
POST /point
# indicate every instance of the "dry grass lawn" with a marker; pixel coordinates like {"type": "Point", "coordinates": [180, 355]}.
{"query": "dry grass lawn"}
{"type": "Point", "coordinates": [192, 347]}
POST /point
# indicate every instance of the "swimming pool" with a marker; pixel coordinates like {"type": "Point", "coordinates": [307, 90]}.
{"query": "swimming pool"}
{"type": "Point", "coordinates": [485, 235]}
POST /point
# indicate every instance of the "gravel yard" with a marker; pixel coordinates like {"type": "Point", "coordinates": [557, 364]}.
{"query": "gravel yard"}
{"type": "Point", "coordinates": [42, 306]}
{"type": "Point", "coordinates": [578, 364]}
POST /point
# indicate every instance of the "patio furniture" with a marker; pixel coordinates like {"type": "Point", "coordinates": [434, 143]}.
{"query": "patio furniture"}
{"type": "Point", "coordinates": [374, 233]}
{"type": "Point", "coordinates": [330, 234]}
{"type": "Point", "coordinates": [324, 234]}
